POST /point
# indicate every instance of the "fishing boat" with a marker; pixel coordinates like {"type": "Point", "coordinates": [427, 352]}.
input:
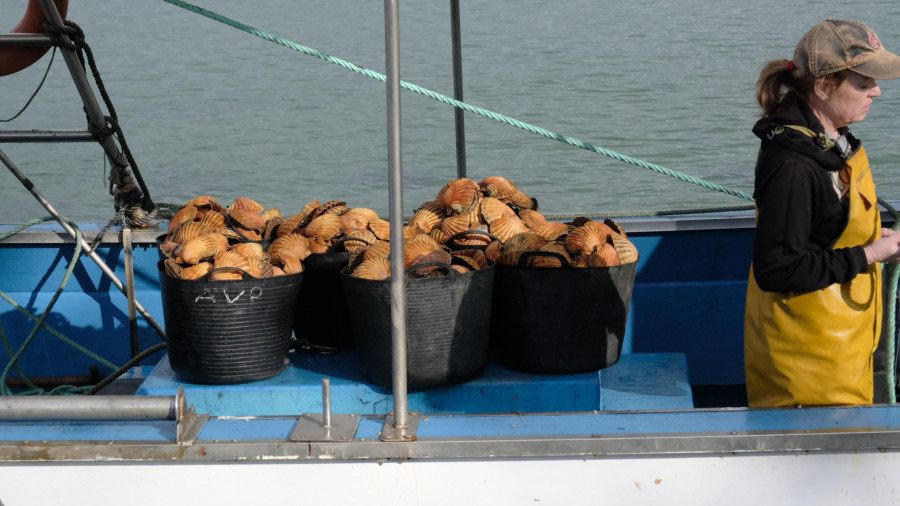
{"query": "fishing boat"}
{"type": "Point", "coordinates": [666, 421]}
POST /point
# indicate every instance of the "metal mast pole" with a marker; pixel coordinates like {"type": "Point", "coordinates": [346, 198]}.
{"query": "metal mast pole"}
{"type": "Point", "coordinates": [398, 274]}
{"type": "Point", "coordinates": [458, 90]}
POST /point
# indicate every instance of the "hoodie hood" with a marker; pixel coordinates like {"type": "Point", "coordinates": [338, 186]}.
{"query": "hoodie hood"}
{"type": "Point", "coordinates": [793, 111]}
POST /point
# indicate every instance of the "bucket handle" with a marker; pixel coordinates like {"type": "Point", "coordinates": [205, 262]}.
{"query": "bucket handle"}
{"type": "Point", "coordinates": [451, 242]}
{"type": "Point", "coordinates": [450, 270]}
{"type": "Point", "coordinates": [245, 274]}
{"type": "Point", "coordinates": [528, 254]}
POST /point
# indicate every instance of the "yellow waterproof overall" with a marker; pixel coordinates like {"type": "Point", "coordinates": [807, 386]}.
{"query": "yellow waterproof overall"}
{"type": "Point", "coordinates": [816, 348]}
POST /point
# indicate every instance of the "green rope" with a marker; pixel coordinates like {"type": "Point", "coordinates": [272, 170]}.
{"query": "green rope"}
{"type": "Point", "coordinates": [461, 105]}
{"type": "Point", "coordinates": [893, 275]}
{"type": "Point", "coordinates": [41, 321]}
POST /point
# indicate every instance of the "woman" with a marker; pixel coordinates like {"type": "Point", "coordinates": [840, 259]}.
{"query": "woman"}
{"type": "Point", "coordinates": [814, 303]}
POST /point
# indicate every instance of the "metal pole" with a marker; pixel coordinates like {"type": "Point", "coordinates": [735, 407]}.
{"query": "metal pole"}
{"type": "Point", "coordinates": [395, 169]}
{"type": "Point", "coordinates": [458, 90]}
{"type": "Point", "coordinates": [129, 292]}
{"type": "Point", "coordinates": [107, 407]}
{"type": "Point", "coordinates": [84, 245]}
{"type": "Point", "coordinates": [326, 403]}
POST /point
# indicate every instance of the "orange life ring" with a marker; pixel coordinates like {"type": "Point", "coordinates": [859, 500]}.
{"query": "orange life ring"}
{"type": "Point", "coordinates": [14, 59]}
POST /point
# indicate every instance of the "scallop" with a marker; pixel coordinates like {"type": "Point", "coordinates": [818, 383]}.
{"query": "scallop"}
{"type": "Point", "coordinates": [245, 204]}
{"type": "Point", "coordinates": [324, 226]}
{"type": "Point", "coordinates": [460, 195]}
{"type": "Point", "coordinates": [184, 215]}
{"type": "Point", "coordinates": [213, 220]}
{"type": "Point", "coordinates": [230, 258]}
{"type": "Point", "coordinates": [291, 244]}
{"type": "Point", "coordinates": [357, 240]}
{"type": "Point", "coordinates": [419, 245]}
{"type": "Point", "coordinates": [520, 200]}
{"type": "Point", "coordinates": [524, 241]}
{"type": "Point", "coordinates": [509, 258]}
{"type": "Point", "coordinates": [172, 268]}
{"type": "Point", "coordinates": [585, 240]}
{"type": "Point", "coordinates": [188, 231]}
{"type": "Point", "coordinates": [196, 271]}
{"type": "Point", "coordinates": [492, 209]}
{"type": "Point", "coordinates": [493, 251]}
{"type": "Point", "coordinates": [603, 227]}
{"type": "Point", "coordinates": [506, 227]}
{"type": "Point", "coordinates": [291, 264]}
{"type": "Point", "coordinates": [248, 219]}
{"type": "Point", "coordinates": [531, 218]}
{"type": "Point", "coordinates": [381, 228]}
{"type": "Point", "coordinates": [475, 257]}
{"type": "Point", "coordinates": [289, 225]}
{"type": "Point", "coordinates": [439, 236]}
{"type": "Point", "coordinates": [605, 256]}
{"type": "Point", "coordinates": [615, 226]}
{"type": "Point", "coordinates": [559, 257]}
{"type": "Point", "coordinates": [426, 219]}
{"type": "Point", "coordinates": [498, 187]}
{"type": "Point", "coordinates": [374, 268]}
{"type": "Point", "coordinates": [625, 248]}
{"type": "Point", "coordinates": [551, 230]}
{"type": "Point", "coordinates": [270, 213]}
{"type": "Point", "coordinates": [356, 219]}
{"type": "Point", "coordinates": [251, 250]}
{"type": "Point", "coordinates": [318, 245]}
{"type": "Point", "coordinates": [474, 237]}
{"type": "Point", "coordinates": [455, 224]}
{"type": "Point", "coordinates": [204, 201]}
{"type": "Point", "coordinates": [199, 248]}
{"type": "Point", "coordinates": [435, 256]}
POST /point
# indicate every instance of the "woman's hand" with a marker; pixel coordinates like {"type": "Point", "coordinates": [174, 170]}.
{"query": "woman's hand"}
{"type": "Point", "coordinates": [886, 249]}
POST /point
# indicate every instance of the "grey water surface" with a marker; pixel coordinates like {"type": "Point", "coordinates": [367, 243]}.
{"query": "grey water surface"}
{"type": "Point", "coordinates": [210, 110]}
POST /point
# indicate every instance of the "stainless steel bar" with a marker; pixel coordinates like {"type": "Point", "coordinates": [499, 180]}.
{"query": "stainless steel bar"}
{"type": "Point", "coordinates": [85, 246]}
{"type": "Point", "coordinates": [458, 89]}
{"type": "Point", "coordinates": [129, 292]}
{"type": "Point", "coordinates": [326, 403]}
{"type": "Point", "coordinates": [104, 407]}
{"type": "Point", "coordinates": [21, 136]}
{"type": "Point", "coordinates": [25, 40]}
{"type": "Point", "coordinates": [395, 166]}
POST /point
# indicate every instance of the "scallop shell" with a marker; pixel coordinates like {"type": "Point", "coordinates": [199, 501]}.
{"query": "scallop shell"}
{"type": "Point", "coordinates": [213, 220]}
{"type": "Point", "coordinates": [317, 245]}
{"type": "Point", "coordinates": [473, 239]}
{"type": "Point", "coordinates": [477, 257]}
{"type": "Point", "coordinates": [204, 201]}
{"type": "Point", "coordinates": [245, 204]}
{"type": "Point", "coordinates": [493, 251]}
{"type": "Point", "coordinates": [585, 240]}
{"type": "Point", "coordinates": [491, 209]}
{"type": "Point", "coordinates": [455, 224]}
{"type": "Point", "coordinates": [426, 219]}
{"type": "Point", "coordinates": [381, 249]}
{"type": "Point", "coordinates": [420, 245]}
{"type": "Point", "coordinates": [357, 240]}
{"type": "Point", "coordinates": [184, 215]}
{"type": "Point", "coordinates": [498, 187]}
{"type": "Point", "coordinates": [230, 258]}
{"type": "Point", "coordinates": [307, 211]}
{"type": "Point", "coordinates": [247, 234]}
{"type": "Point", "coordinates": [270, 213]}
{"type": "Point", "coordinates": [289, 225]}
{"type": "Point", "coordinates": [272, 227]}
{"type": "Point", "coordinates": [188, 231]}
{"type": "Point", "coordinates": [250, 250]}
{"type": "Point", "coordinates": [520, 200]}
{"type": "Point", "coordinates": [199, 248]}
{"type": "Point", "coordinates": [605, 256]}
{"type": "Point", "coordinates": [460, 195]}
{"type": "Point", "coordinates": [531, 218]}
{"type": "Point", "coordinates": [357, 219]}
{"type": "Point", "coordinates": [374, 268]}
{"type": "Point", "coordinates": [291, 244]}
{"type": "Point", "coordinates": [625, 248]}
{"type": "Point", "coordinates": [603, 227]}
{"type": "Point", "coordinates": [196, 271]}
{"type": "Point", "coordinates": [324, 226]}
{"type": "Point", "coordinates": [435, 256]}
{"type": "Point", "coordinates": [172, 268]}
{"type": "Point", "coordinates": [227, 275]}
{"type": "Point", "coordinates": [291, 264]}
{"type": "Point", "coordinates": [248, 219]}
{"type": "Point", "coordinates": [525, 241]}
{"type": "Point", "coordinates": [335, 207]}
{"type": "Point", "coordinates": [381, 228]}
{"type": "Point", "coordinates": [551, 230]}
{"type": "Point", "coordinates": [439, 236]}
{"type": "Point", "coordinates": [551, 261]}
{"type": "Point", "coordinates": [506, 227]}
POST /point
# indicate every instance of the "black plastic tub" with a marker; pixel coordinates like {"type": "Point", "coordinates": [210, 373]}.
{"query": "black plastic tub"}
{"type": "Point", "coordinates": [563, 320]}
{"type": "Point", "coordinates": [447, 326]}
{"type": "Point", "coordinates": [322, 317]}
{"type": "Point", "coordinates": [227, 332]}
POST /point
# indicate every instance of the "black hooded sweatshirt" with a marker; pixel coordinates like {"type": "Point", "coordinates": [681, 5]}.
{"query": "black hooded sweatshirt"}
{"type": "Point", "coordinates": [799, 214]}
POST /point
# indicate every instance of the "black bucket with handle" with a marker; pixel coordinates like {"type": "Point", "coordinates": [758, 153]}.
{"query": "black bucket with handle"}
{"type": "Point", "coordinates": [560, 320]}
{"type": "Point", "coordinates": [228, 331]}
{"type": "Point", "coordinates": [447, 326]}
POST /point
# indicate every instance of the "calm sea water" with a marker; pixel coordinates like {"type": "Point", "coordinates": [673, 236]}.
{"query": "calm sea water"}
{"type": "Point", "coordinates": [210, 110]}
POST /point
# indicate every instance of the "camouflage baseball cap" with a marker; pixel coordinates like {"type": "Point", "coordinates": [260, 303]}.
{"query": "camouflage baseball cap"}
{"type": "Point", "coordinates": [838, 44]}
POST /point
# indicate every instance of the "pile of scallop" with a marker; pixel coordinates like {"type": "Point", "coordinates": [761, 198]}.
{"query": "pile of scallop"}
{"type": "Point", "coordinates": [246, 237]}
{"type": "Point", "coordinates": [470, 224]}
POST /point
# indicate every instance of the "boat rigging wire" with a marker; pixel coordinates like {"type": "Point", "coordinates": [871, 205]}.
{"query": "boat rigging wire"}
{"type": "Point", "coordinates": [39, 86]}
